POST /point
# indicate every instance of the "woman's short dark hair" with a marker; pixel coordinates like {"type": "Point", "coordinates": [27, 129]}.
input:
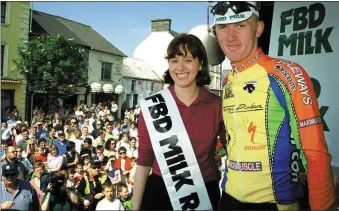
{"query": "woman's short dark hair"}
{"type": "Point", "coordinates": [194, 45]}
{"type": "Point", "coordinates": [108, 143]}
{"type": "Point", "coordinates": [70, 145]}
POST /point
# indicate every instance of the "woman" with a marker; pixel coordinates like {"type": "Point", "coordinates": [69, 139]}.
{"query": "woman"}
{"type": "Point", "coordinates": [38, 169]}
{"type": "Point", "coordinates": [54, 161]}
{"type": "Point", "coordinates": [71, 157]}
{"type": "Point", "coordinates": [111, 148]}
{"type": "Point", "coordinates": [187, 76]}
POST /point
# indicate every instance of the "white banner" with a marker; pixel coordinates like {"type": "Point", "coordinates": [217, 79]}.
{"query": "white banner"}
{"type": "Point", "coordinates": [174, 153]}
{"type": "Point", "coordinates": [308, 34]}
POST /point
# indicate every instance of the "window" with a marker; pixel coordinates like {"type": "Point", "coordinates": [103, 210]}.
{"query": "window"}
{"type": "Point", "coordinates": [2, 58]}
{"type": "Point", "coordinates": [106, 70]}
{"type": "Point", "coordinates": [217, 82]}
{"type": "Point", "coordinates": [152, 86]}
{"type": "Point", "coordinates": [135, 100]}
{"type": "Point", "coordinates": [133, 85]}
{"type": "Point", "coordinates": [3, 11]}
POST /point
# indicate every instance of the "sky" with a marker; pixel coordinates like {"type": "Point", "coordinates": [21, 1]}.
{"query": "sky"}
{"type": "Point", "coordinates": [127, 24]}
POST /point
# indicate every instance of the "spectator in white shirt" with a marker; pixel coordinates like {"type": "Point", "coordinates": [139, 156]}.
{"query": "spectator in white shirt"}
{"type": "Point", "coordinates": [110, 202]}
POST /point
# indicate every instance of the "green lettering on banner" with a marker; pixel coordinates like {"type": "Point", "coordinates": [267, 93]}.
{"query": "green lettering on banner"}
{"type": "Point", "coordinates": [322, 109]}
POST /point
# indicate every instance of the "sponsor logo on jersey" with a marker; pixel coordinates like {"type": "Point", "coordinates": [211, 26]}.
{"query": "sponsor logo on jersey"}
{"type": "Point", "coordinates": [249, 86]}
{"type": "Point", "coordinates": [243, 108]}
{"type": "Point", "coordinates": [286, 75]}
{"type": "Point", "coordinates": [237, 68]}
{"type": "Point", "coordinates": [245, 166]}
{"type": "Point", "coordinates": [298, 73]}
{"type": "Point", "coordinates": [228, 92]}
{"type": "Point", "coordinates": [255, 147]}
{"type": "Point", "coordinates": [310, 122]}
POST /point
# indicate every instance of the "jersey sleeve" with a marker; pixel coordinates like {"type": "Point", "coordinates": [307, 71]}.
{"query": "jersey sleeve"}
{"type": "Point", "coordinates": [307, 131]}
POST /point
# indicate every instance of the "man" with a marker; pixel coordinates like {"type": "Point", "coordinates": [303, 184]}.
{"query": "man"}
{"type": "Point", "coordinates": [51, 136]}
{"type": "Point", "coordinates": [109, 132]}
{"type": "Point", "coordinates": [90, 187]}
{"type": "Point", "coordinates": [271, 115]}
{"type": "Point", "coordinates": [24, 141]}
{"type": "Point", "coordinates": [6, 132]}
{"type": "Point", "coordinates": [97, 125]}
{"type": "Point", "coordinates": [16, 194]}
{"type": "Point", "coordinates": [85, 134]}
{"type": "Point", "coordinates": [4, 145]}
{"type": "Point", "coordinates": [11, 122]}
{"type": "Point", "coordinates": [100, 140]}
{"type": "Point", "coordinates": [11, 158]}
{"type": "Point", "coordinates": [114, 109]}
{"type": "Point", "coordinates": [34, 133]}
{"type": "Point", "coordinates": [61, 143]}
{"type": "Point", "coordinates": [41, 133]}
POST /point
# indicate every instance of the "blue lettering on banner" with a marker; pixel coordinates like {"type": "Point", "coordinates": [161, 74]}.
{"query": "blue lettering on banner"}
{"type": "Point", "coordinates": [245, 166]}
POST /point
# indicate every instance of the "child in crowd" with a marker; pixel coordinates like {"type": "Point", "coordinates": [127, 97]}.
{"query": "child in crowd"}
{"type": "Point", "coordinates": [124, 196]}
{"type": "Point", "coordinates": [114, 174]}
{"type": "Point", "coordinates": [109, 202]}
{"type": "Point", "coordinates": [70, 183]}
{"type": "Point", "coordinates": [79, 173]}
{"type": "Point", "coordinates": [86, 163]}
{"type": "Point", "coordinates": [40, 155]}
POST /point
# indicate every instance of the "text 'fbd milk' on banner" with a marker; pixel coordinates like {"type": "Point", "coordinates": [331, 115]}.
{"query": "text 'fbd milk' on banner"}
{"type": "Point", "coordinates": [307, 33]}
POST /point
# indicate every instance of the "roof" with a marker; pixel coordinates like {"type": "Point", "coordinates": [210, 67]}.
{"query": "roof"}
{"type": "Point", "coordinates": [138, 68]}
{"type": "Point", "coordinates": [81, 33]}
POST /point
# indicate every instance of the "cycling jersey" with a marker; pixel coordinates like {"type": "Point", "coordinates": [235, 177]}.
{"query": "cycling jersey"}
{"type": "Point", "coordinates": [274, 131]}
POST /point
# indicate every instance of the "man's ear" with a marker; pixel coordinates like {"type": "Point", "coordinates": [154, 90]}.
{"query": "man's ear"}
{"type": "Point", "coordinates": [259, 29]}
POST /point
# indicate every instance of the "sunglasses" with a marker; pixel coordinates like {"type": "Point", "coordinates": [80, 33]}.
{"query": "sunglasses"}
{"type": "Point", "coordinates": [120, 153]}
{"type": "Point", "coordinates": [221, 8]}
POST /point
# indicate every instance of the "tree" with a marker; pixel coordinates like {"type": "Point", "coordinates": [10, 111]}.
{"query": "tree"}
{"type": "Point", "coordinates": [53, 65]}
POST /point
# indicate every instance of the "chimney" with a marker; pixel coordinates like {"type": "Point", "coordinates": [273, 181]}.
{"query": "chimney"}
{"type": "Point", "coordinates": [161, 25]}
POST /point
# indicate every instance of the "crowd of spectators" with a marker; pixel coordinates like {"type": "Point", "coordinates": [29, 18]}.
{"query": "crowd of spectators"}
{"type": "Point", "coordinates": [80, 159]}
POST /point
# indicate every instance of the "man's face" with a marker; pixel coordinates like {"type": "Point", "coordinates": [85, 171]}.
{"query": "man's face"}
{"type": "Point", "coordinates": [43, 145]}
{"type": "Point", "coordinates": [109, 128]}
{"type": "Point", "coordinates": [11, 153]}
{"type": "Point", "coordinates": [124, 193]}
{"type": "Point", "coordinates": [52, 132]}
{"type": "Point", "coordinates": [239, 40]}
{"type": "Point", "coordinates": [98, 126]}
{"type": "Point", "coordinates": [62, 138]}
{"type": "Point", "coordinates": [108, 192]}
{"type": "Point", "coordinates": [33, 130]}
{"type": "Point", "coordinates": [10, 179]}
{"type": "Point", "coordinates": [25, 135]}
{"type": "Point", "coordinates": [4, 125]}
{"type": "Point", "coordinates": [85, 131]}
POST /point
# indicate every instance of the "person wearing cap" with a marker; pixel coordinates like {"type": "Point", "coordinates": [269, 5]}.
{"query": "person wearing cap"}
{"type": "Point", "coordinates": [40, 131]}
{"type": "Point", "coordinates": [272, 117]}
{"type": "Point", "coordinates": [90, 189]}
{"type": "Point", "coordinates": [16, 194]}
{"type": "Point", "coordinates": [61, 143]}
{"type": "Point", "coordinates": [11, 158]}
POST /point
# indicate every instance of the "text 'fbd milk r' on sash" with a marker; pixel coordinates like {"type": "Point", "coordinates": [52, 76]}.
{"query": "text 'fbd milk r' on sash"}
{"type": "Point", "coordinates": [174, 153]}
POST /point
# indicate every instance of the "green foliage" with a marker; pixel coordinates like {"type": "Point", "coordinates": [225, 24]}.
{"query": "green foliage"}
{"type": "Point", "coordinates": [53, 64]}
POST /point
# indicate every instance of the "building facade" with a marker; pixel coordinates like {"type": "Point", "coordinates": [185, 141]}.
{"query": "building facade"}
{"type": "Point", "coordinates": [139, 81]}
{"type": "Point", "coordinates": [15, 26]}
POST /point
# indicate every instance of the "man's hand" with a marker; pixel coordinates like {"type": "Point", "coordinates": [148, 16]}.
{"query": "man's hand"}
{"type": "Point", "coordinates": [98, 196]}
{"type": "Point", "coordinates": [86, 203]}
{"type": "Point", "coordinates": [7, 205]}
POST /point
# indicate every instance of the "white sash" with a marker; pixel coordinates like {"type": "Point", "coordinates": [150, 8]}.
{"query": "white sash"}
{"type": "Point", "coordinates": [174, 153]}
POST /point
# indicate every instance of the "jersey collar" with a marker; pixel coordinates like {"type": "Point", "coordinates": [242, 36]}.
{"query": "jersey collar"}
{"type": "Point", "coordinates": [248, 62]}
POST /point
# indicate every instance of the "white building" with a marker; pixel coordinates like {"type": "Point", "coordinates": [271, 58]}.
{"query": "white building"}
{"type": "Point", "coordinates": [139, 81]}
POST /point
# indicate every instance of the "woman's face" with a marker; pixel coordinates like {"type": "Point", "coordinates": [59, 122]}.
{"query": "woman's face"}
{"type": "Point", "coordinates": [86, 161]}
{"type": "Point", "coordinates": [70, 176]}
{"type": "Point", "coordinates": [184, 69]}
{"type": "Point", "coordinates": [113, 145]}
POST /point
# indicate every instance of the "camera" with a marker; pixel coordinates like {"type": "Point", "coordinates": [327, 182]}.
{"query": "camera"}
{"type": "Point", "coordinates": [57, 181]}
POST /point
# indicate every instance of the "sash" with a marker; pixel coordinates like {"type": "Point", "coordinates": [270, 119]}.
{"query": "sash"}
{"type": "Point", "coordinates": [174, 153]}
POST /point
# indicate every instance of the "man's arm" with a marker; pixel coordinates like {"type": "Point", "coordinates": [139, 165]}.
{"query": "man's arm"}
{"type": "Point", "coordinates": [308, 135]}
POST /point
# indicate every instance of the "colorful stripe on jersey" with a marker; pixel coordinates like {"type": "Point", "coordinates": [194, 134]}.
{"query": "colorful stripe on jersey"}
{"type": "Point", "coordinates": [265, 134]}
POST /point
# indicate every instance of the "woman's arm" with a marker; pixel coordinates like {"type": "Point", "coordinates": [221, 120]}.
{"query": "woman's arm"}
{"type": "Point", "coordinates": [58, 166]}
{"type": "Point", "coordinates": [141, 176]}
